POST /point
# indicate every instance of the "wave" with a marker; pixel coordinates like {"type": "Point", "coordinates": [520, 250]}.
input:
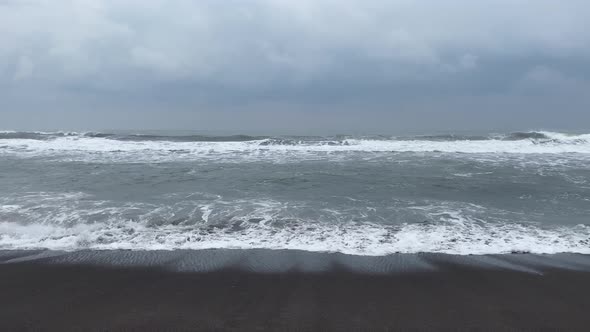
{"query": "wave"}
{"type": "Point", "coordinates": [369, 239]}
{"type": "Point", "coordinates": [38, 135]}
{"type": "Point", "coordinates": [97, 147]}
{"type": "Point", "coordinates": [294, 140]}
{"type": "Point", "coordinates": [264, 224]}
{"type": "Point", "coordinates": [528, 135]}
{"type": "Point", "coordinates": [452, 233]}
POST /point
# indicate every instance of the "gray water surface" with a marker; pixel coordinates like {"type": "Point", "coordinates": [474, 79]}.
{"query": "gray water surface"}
{"type": "Point", "coordinates": [461, 194]}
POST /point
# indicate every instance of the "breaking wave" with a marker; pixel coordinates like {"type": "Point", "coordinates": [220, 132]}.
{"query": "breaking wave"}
{"type": "Point", "coordinates": [293, 140]}
{"type": "Point", "coordinates": [73, 222]}
{"type": "Point", "coordinates": [157, 148]}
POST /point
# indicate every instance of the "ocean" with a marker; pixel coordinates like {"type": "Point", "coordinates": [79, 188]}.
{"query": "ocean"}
{"type": "Point", "coordinates": [489, 193]}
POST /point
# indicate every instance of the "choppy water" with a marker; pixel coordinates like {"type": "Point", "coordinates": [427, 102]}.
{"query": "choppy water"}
{"type": "Point", "coordinates": [374, 195]}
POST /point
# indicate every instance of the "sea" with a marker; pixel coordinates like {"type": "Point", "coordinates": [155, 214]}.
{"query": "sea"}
{"type": "Point", "coordinates": [370, 195]}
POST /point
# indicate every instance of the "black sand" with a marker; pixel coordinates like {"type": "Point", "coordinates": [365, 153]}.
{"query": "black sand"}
{"type": "Point", "coordinates": [41, 295]}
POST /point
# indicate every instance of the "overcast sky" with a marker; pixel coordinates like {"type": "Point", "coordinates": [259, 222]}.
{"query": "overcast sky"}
{"type": "Point", "coordinates": [297, 65]}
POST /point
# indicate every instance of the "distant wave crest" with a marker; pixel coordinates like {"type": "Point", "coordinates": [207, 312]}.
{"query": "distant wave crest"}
{"type": "Point", "coordinates": [111, 147]}
{"type": "Point", "coordinates": [36, 135]}
{"type": "Point", "coordinates": [293, 140]}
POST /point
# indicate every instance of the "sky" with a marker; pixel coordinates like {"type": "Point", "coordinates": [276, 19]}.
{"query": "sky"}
{"type": "Point", "coordinates": [295, 66]}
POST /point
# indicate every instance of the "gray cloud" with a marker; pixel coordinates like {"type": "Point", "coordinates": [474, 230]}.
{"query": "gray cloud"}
{"type": "Point", "coordinates": [379, 64]}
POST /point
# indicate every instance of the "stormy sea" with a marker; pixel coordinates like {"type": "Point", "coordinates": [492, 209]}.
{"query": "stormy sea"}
{"type": "Point", "coordinates": [180, 230]}
{"type": "Point", "coordinates": [362, 195]}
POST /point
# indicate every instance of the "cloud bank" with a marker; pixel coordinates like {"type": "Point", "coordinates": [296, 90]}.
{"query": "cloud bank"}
{"type": "Point", "coordinates": [253, 64]}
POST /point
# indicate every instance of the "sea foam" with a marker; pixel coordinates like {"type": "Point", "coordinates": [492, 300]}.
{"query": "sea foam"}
{"type": "Point", "coordinates": [70, 222]}
{"type": "Point", "coordinates": [96, 148]}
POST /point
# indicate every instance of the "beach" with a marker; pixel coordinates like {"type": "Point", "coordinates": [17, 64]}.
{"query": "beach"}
{"type": "Point", "coordinates": [140, 231]}
{"type": "Point", "coordinates": [295, 165]}
{"type": "Point", "coordinates": [231, 290]}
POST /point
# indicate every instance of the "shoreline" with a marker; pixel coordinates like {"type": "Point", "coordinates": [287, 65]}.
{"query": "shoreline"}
{"type": "Point", "coordinates": [153, 291]}
{"type": "Point", "coordinates": [287, 260]}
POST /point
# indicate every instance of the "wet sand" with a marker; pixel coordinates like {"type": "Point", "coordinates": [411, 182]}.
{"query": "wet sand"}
{"type": "Point", "coordinates": [39, 295]}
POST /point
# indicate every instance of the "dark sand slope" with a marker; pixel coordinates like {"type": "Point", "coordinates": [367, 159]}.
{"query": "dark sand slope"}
{"type": "Point", "coordinates": [290, 290]}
